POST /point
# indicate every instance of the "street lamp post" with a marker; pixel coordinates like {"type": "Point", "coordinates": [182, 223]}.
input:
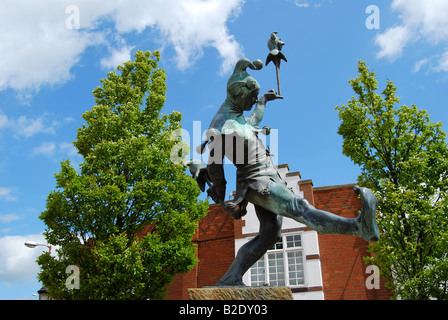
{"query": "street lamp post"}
{"type": "Point", "coordinates": [32, 244]}
{"type": "Point", "coordinates": [43, 295]}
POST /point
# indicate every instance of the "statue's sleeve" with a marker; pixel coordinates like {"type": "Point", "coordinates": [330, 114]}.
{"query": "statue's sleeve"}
{"type": "Point", "coordinates": [216, 173]}
{"type": "Point", "coordinates": [257, 115]}
{"type": "Point", "coordinates": [215, 166]}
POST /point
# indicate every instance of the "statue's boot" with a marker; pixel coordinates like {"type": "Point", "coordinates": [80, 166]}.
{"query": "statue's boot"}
{"type": "Point", "coordinates": [368, 228]}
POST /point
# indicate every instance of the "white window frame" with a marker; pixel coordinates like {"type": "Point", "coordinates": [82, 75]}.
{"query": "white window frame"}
{"type": "Point", "coordinates": [284, 250]}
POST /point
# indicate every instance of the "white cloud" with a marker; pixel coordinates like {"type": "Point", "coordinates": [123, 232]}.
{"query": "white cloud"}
{"type": "Point", "coordinates": [68, 149]}
{"type": "Point", "coordinates": [189, 26]}
{"type": "Point", "coordinates": [38, 49]}
{"type": "Point", "coordinates": [423, 21]}
{"type": "Point", "coordinates": [117, 57]}
{"type": "Point", "coordinates": [10, 217]}
{"type": "Point", "coordinates": [7, 194]}
{"type": "Point", "coordinates": [49, 149]}
{"type": "Point", "coordinates": [392, 42]}
{"type": "Point", "coordinates": [17, 262]}
{"type": "Point", "coordinates": [302, 4]}
{"type": "Point", "coordinates": [427, 18]}
{"type": "Point", "coordinates": [3, 121]}
{"type": "Point", "coordinates": [45, 149]}
{"type": "Point", "coordinates": [27, 127]}
{"type": "Point", "coordinates": [442, 64]}
{"type": "Point", "coordinates": [306, 3]}
{"type": "Point", "coordinates": [419, 64]}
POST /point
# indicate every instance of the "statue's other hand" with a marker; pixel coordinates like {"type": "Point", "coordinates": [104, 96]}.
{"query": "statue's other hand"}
{"type": "Point", "coordinates": [236, 210]}
{"type": "Point", "coordinates": [230, 207]}
{"type": "Point", "coordinates": [211, 192]}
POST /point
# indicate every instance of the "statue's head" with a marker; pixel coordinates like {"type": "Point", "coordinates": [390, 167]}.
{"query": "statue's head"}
{"type": "Point", "coordinates": [242, 89]}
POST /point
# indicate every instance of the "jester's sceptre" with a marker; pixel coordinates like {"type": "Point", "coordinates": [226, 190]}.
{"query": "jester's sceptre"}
{"type": "Point", "coordinates": [275, 45]}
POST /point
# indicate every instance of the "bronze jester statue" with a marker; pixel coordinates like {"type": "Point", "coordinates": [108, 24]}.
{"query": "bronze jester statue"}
{"type": "Point", "coordinates": [234, 136]}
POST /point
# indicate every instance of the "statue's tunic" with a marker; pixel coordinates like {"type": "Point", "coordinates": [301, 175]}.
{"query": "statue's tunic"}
{"type": "Point", "coordinates": [255, 169]}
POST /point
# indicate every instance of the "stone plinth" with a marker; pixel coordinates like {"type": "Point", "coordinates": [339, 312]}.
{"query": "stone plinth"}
{"type": "Point", "coordinates": [241, 293]}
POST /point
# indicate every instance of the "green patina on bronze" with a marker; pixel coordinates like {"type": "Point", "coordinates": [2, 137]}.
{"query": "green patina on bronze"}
{"type": "Point", "coordinates": [235, 136]}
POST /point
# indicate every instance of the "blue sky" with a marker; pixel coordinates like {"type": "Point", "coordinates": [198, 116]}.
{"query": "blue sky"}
{"type": "Point", "coordinates": [51, 62]}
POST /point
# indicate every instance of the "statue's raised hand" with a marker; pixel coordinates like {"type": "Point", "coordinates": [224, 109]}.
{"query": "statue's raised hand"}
{"type": "Point", "coordinates": [269, 96]}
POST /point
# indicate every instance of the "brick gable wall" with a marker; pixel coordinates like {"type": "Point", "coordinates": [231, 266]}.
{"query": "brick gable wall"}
{"type": "Point", "coordinates": [215, 240]}
{"type": "Point", "coordinates": [343, 270]}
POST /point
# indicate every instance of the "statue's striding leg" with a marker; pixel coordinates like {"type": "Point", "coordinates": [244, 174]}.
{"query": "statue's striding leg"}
{"type": "Point", "coordinates": [283, 202]}
{"type": "Point", "coordinates": [251, 252]}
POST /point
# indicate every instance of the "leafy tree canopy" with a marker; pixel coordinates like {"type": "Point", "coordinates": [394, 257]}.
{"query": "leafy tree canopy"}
{"type": "Point", "coordinates": [404, 158]}
{"type": "Point", "coordinates": [127, 218]}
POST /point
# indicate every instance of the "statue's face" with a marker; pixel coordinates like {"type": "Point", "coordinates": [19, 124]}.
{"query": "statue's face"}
{"type": "Point", "coordinates": [243, 93]}
{"type": "Point", "coordinates": [251, 99]}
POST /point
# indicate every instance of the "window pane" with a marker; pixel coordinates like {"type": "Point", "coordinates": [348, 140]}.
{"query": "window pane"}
{"type": "Point", "coordinates": [272, 268]}
{"type": "Point", "coordinates": [276, 269]}
{"type": "Point", "coordinates": [277, 246]}
{"type": "Point", "coordinates": [257, 273]}
{"type": "Point", "coordinates": [294, 241]}
{"type": "Point", "coordinates": [295, 267]}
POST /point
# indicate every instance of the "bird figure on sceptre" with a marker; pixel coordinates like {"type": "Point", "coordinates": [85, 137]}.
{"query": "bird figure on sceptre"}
{"type": "Point", "coordinates": [275, 45]}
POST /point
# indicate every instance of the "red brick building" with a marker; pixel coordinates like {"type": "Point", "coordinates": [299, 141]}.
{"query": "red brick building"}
{"type": "Point", "coordinates": [315, 266]}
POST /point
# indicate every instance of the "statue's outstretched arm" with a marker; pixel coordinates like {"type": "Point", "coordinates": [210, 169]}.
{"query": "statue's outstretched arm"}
{"type": "Point", "coordinates": [257, 115]}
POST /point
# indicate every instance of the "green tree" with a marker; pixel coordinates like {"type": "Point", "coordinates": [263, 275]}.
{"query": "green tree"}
{"type": "Point", "coordinates": [127, 182]}
{"type": "Point", "coordinates": [404, 158]}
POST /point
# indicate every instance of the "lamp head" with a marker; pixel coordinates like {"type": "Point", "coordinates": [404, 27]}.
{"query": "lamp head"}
{"type": "Point", "coordinates": [31, 244]}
